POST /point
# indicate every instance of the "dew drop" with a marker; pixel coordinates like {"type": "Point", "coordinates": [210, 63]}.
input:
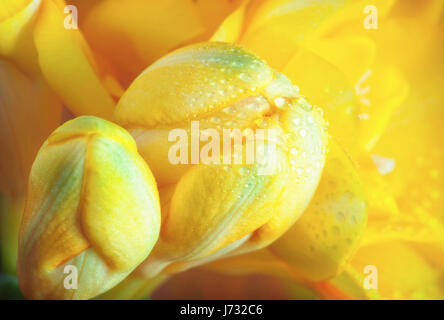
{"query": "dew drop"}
{"type": "Point", "coordinates": [244, 77]}
{"type": "Point", "coordinates": [230, 110]}
{"type": "Point", "coordinates": [279, 102]}
{"type": "Point", "coordinates": [297, 121]}
{"type": "Point", "coordinates": [231, 123]}
{"type": "Point", "coordinates": [305, 105]}
{"type": "Point", "coordinates": [310, 120]}
{"type": "Point", "coordinates": [215, 120]}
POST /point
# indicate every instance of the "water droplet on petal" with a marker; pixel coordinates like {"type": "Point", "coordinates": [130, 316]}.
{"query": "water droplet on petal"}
{"type": "Point", "coordinates": [279, 102]}
{"type": "Point", "coordinates": [230, 110]}
{"type": "Point", "coordinates": [244, 77]}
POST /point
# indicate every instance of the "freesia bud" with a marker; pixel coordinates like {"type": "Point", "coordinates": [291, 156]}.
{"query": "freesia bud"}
{"type": "Point", "coordinates": [216, 208]}
{"type": "Point", "coordinates": [92, 209]}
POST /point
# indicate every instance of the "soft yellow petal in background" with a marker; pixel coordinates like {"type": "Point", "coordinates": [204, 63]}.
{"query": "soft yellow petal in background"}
{"type": "Point", "coordinates": [212, 13]}
{"type": "Point", "coordinates": [16, 39]}
{"type": "Point", "coordinates": [29, 111]}
{"type": "Point", "coordinates": [380, 200]}
{"type": "Point", "coordinates": [403, 272]}
{"type": "Point", "coordinates": [67, 64]}
{"type": "Point", "coordinates": [231, 27]}
{"type": "Point", "coordinates": [134, 287]}
{"type": "Point", "coordinates": [413, 140]}
{"type": "Point", "coordinates": [132, 34]}
{"type": "Point", "coordinates": [327, 87]}
{"type": "Point", "coordinates": [349, 285]}
{"type": "Point", "coordinates": [352, 55]}
{"type": "Point", "coordinates": [201, 283]}
{"type": "Point", "coordinates": [387, 90]}
{"type": "Point", "coordinates": [356, 12]}
{"type": "Point", "coordinates": [276, 28]}
{"type": "Point", "coordinates": [10, 215]}
{"type": "Point", "coordinates": [427, 10]}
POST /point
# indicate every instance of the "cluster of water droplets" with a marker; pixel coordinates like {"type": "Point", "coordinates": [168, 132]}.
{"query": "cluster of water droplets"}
{"type": "Point", "coordinates": [238, 90]}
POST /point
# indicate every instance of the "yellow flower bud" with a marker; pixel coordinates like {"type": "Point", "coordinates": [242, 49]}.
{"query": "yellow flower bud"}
{"type": "Point", "coordinates": [92, 208]}
{"type": "Point", "coordinates": [215, 208]}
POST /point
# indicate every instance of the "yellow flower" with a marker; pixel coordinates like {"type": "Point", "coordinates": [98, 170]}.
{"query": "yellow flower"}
{"type": "Point", "coordinates": [92, 204]}
{"type": "Point", "coordinates": [371, 68]}
{"type": "Point", "coordinates": [218, 208]}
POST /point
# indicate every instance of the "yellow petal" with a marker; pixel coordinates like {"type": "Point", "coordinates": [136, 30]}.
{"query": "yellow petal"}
{"type": "Point", "coordinates": [230, 29]}
{"type": "Point", "coordinates": [201, 283]}
{"type": "Point", "coordinates": [352, 55]}
{"type": "Point", "coordinates": [265, 262]}
{"type": "Point", "coordinates": [223, 215]}
{"type": "Point", "coordinates": [356, 13]}
{"type": "Point", "coordinates": [131, 35]}
{"type": "Point", "coordinates": [387, 90]}
{"type": "Point", "coordinates": [403, 272]}
{"type": "Point", "coordinates": [122, 230]}
{"type": "Point", "coordinates": [276, 28]}
{"type": "Point", "coordinates": [16, 23]}
{"type": "Point", "coordinates": [261, 261]}
{"type": "Point", "coordinates": [23, 100]}
{"type": "Point", "coordinates": [332, 92]}
{"type": "Point", "coordinates": [10, 214]}
{"type": "Point", "coordinates": [324, 238]}
{"type": "Point", "coordinates": [92, 203]}
{"type": "Point", "coordinates": [427, 10]}
{"type": "Point", "coordinates": [381, 202]}
{"type": "Point", "coordinates": [212, 14]}
{"type": "Point", "coordinates": [412, 141]}
{"type": "Point", "coordinates": [404, 228]}
{"type": "Point", "coordinates": [134, 287]}
{"type": "Point", "coordinates": [67, 64]}
{"type": "Point", "coordinates": [349, 285]}
{"type": "Point", "coordinates": [223, 72]}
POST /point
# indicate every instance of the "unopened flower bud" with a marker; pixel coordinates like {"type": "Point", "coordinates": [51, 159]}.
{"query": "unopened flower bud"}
{"type": "Point", "coordinates": [92, 212]}
{"type": "Point", "coordinates": [223, 206]}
